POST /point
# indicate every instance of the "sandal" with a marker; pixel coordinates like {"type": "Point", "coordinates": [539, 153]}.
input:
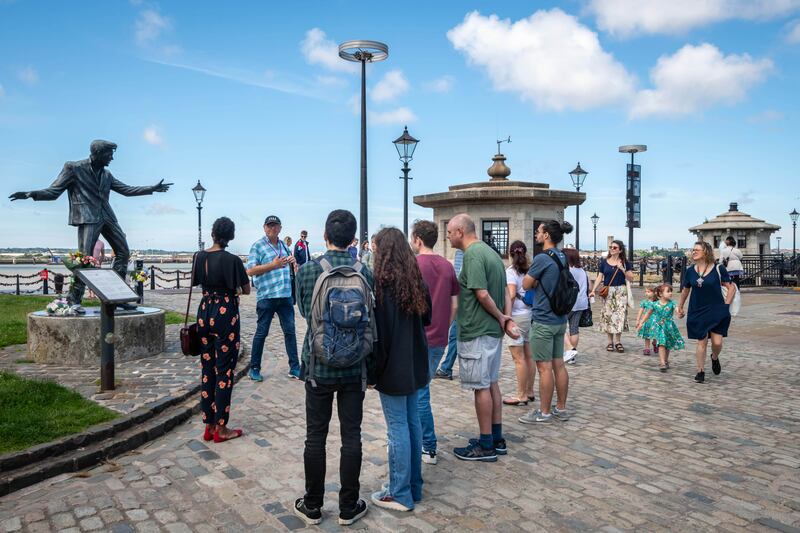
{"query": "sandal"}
{"type": "Point", "coordinates": [531, 398]}
{"type": "Point", "coordinates": [236, 434]}
{"type": "Point", "coordinates": [619, 347]}
{"type": "Point", "coordinates": [515, 401]}
{"type": "Point", "coordinates": [610, 347]}
{"type": "Point", "coordinates": [663, 368]}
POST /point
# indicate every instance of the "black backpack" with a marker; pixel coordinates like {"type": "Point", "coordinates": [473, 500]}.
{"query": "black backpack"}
{"type": "Point", "coordinates": [566, 292]}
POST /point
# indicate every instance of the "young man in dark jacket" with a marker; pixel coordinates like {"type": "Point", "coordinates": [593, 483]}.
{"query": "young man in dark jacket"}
{"type": "Point", "coordinates": [345, 383]}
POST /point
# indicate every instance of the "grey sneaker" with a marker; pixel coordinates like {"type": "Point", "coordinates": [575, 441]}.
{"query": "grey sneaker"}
{"type": "Point", "coordinates": [560, 415]}
{"type": "Point", "coordinates": [535, 417]}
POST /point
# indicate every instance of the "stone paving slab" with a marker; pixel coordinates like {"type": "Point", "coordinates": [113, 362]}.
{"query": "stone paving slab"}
{"type": "Point", "coordinates": [643, 451]}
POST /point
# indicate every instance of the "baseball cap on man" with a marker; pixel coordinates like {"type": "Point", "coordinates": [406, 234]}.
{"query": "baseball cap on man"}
{"type": "Point", "coordinates": [272, 219]}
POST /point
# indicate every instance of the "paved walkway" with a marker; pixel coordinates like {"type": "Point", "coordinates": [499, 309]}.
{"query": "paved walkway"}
{"type": "Point", "coordinates": [642, 451]}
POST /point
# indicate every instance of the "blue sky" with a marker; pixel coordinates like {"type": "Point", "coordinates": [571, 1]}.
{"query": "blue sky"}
{"type": "Point", "coordinates": [253, 102]}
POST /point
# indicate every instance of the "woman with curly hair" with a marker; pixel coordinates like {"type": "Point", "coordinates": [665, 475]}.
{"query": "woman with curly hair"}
{"type": "Point", "coordinates": [520, 313]}
{"type": "Point", "coordinates": [223, 278]}
{"type": "Point", "coordinates": [403, 309]}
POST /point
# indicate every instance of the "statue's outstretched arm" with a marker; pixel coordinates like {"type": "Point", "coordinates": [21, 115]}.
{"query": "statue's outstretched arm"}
{"type": "Point", "coordinates": [61, 183]}
{"type": "Point", "coordinates": [129, 190]}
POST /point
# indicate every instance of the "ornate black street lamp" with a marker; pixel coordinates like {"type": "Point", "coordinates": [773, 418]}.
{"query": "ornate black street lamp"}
{"type": "Point", "coordinates": [199, 193]}
{"type": "Point", "coordinates": [363, 52]}
{"type": "Point", "coordinates": [794, 214]}
{"type": "Point", "coordinates": [405, 144]}
{"type": "Point", "coordinates": [578, 177]}
{"type": "Point", "coordinates": [595, 218]}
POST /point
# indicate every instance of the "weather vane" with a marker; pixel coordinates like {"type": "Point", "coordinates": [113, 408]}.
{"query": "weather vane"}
{"type": "Point", "coordinates": [501, 141]}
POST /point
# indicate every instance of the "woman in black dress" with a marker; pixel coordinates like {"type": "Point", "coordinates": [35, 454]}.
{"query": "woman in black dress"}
{"type": "Point", "coordinates": [222, 276]}
{"type": "Point", "coordinates": [709, 314]}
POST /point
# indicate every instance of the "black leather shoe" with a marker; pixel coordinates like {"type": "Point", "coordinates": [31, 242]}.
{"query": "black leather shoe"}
{"type": "Point", "coordinates": [700, 377]}
{"type": "Point", "coordinates": [716, 367]}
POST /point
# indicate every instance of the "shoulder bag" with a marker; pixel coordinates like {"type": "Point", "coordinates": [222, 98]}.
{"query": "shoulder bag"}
{"type": "Point", "coordinates": [190, 336]}
{"type": "Point", "coordinates": [603, 292]}
{"type": "Point", "coordinates": [736, 303]}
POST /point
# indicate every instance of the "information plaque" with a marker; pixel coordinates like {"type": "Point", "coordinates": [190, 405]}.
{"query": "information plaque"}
{"type": "Point", "coordinates": [108, 286]}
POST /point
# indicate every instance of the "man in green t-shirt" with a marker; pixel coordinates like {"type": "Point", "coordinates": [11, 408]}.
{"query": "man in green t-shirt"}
{"type": "Point", "coordinates": [481, 325]}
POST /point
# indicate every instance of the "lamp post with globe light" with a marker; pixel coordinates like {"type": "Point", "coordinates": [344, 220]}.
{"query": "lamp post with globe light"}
{"type": "Point", "coordinates": [793, 215]}
{"type": "Point", "coordinates": [199, 193]}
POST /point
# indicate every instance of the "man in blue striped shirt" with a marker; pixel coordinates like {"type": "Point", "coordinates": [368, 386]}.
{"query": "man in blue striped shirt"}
{"type": "Point", "coordinates": [270, 264]}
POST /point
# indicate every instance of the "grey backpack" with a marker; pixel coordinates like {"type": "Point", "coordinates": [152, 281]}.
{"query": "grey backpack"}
{"type": "Point", "coordinates": [342, 319]}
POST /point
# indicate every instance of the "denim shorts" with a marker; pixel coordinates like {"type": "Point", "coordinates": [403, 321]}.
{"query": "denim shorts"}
{"type": "Point", "coordinates": [479, 362]}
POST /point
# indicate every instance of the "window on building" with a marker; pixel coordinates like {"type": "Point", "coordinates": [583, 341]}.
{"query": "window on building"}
{"type": "Point", "coordinates": [495, 234]}
{"type": "Point", "coordinates": [717, 241]}
{"type": "Point", "coordinates": [741, 240]}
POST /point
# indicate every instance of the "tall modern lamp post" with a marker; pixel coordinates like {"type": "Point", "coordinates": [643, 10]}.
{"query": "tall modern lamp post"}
{"type": "Point", "coordinates": [794, 214]}
{"type": "Point", "coordinates": [634, 193]}
{"type": "Point", "coordinates": [199, 193]}
{"type": "Point", "coordinates": [405, 144]}
{"type": "Point", "coordinates": [595, 218]}
{"type": "Point", "coordinates": [578, 177]}
{"type": "Point", "coordinates": [363, 52]}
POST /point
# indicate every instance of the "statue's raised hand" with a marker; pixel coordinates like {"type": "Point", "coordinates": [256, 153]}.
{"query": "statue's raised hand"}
{"type": "Point", "coordinates": [20, 196]}
{"type": "Point", "coordinates": [161, 186]}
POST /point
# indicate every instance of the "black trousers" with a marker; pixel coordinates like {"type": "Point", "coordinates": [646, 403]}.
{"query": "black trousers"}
{"type": "Point", "coordinates": [87, 238]}
{"type": "Point", "coordinates": [319, 408]}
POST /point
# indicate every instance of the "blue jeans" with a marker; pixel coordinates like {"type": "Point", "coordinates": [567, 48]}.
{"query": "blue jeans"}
{"type": "Point", "coordinates": [425, 414]}
{"type": "Point", "coordinates": [266, 309]}
{"type": "Point", "coordinates": [452, 350]}
{"type": "Point", "coordinates": [405, 447]}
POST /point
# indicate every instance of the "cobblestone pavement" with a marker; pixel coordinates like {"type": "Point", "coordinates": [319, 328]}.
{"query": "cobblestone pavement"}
{"type": "Point", "coordinates": [642, 451]}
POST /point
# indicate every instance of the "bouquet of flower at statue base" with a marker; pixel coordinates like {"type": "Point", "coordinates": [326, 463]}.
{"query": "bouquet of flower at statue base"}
{"type": "Point", "coordinates": [139, 276]}
{"type": "Point", "coordinates": [77, 260]}
{"type": "Point", "coordinates": [60, 307]}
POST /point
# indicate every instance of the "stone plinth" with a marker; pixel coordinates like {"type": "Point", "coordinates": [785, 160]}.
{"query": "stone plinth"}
{"type": "Point", "coordinates": [76, 340]}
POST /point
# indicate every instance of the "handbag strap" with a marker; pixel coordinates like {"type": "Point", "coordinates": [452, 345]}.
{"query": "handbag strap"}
{"type": "Point", "coordinates": [614, 275]}
{"type": "Point", "coordinates": [191, 284]}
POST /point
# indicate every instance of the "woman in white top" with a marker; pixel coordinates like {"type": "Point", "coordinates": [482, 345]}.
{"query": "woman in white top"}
{"type": "Point", "coordinates": [520, 313]}
{"type": "Point", "coordinates": [731, 258]}
{"type": "Point", "coordinates": [581, 304]}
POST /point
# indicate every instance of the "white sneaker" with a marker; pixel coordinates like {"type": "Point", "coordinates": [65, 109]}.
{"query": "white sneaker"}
{"type": "Point", "coordinates": [569, 356]}
{"type": "Point", "coordinates": [429, 458]}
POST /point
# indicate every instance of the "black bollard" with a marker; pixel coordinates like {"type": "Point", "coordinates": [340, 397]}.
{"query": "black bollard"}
{"type": "Point", "coordinates": [107, 347]}
{"type": "Point", "coordinates": [139, 265]}
{"type": "Point", "coordinates": [152, 278]}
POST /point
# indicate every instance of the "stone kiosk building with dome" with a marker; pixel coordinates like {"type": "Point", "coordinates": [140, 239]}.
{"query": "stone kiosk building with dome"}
{"type": "Point", "coordinates": [503, 210]}
{"type": "Point", "coordinates": [752, 234]}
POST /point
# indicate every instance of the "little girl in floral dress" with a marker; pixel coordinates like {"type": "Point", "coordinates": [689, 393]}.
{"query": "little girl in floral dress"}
{"type": "Point", "coordinates": [644, 327]}
{"type": "Point", "coordinates": [664, 331]}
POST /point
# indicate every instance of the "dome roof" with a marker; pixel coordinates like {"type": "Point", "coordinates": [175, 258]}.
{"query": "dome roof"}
{"type": "Point", "coordinates": [734, 219]}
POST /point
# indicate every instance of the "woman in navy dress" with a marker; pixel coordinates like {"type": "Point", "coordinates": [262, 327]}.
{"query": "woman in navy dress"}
{"type": "Point", "coordinates": [709, 314]}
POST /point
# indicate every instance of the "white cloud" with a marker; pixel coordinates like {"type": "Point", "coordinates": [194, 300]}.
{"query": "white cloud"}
{"type": "Point", "coordinates": [28, 75]}
{"type": "Point", "coordinates": [793, 34]}
{"type": "Point", "coordinates": [319, 50]}
{"type": "Point", "coordinates": [697, 77]}
{"type": "Point", "coordinates": [401, 115]}
{"type": "Point", "coordinates": [158, 208]}
{"type": "Point", "coordinates": [392, 85]}
{"type": "Point", "coordinates": [440, 85]}
{"type": "Point", "coordinates": [152, 135]}
{"type": "Point", "coordinates": [549, 58]}
{"type": "Point", "coordinates": [629, 17]}
{"type": "Point", "coordinates": [150, 26]}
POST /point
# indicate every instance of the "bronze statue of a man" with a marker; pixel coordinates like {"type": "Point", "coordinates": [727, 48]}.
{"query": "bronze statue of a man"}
{"type": "Point", "coordinates": [88, 184]}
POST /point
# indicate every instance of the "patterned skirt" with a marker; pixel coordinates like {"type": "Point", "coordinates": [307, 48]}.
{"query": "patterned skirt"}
{"type": "Point", "coordinates": [614, 313]}
{"type": "Point", "coordinates": [668, 335]}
